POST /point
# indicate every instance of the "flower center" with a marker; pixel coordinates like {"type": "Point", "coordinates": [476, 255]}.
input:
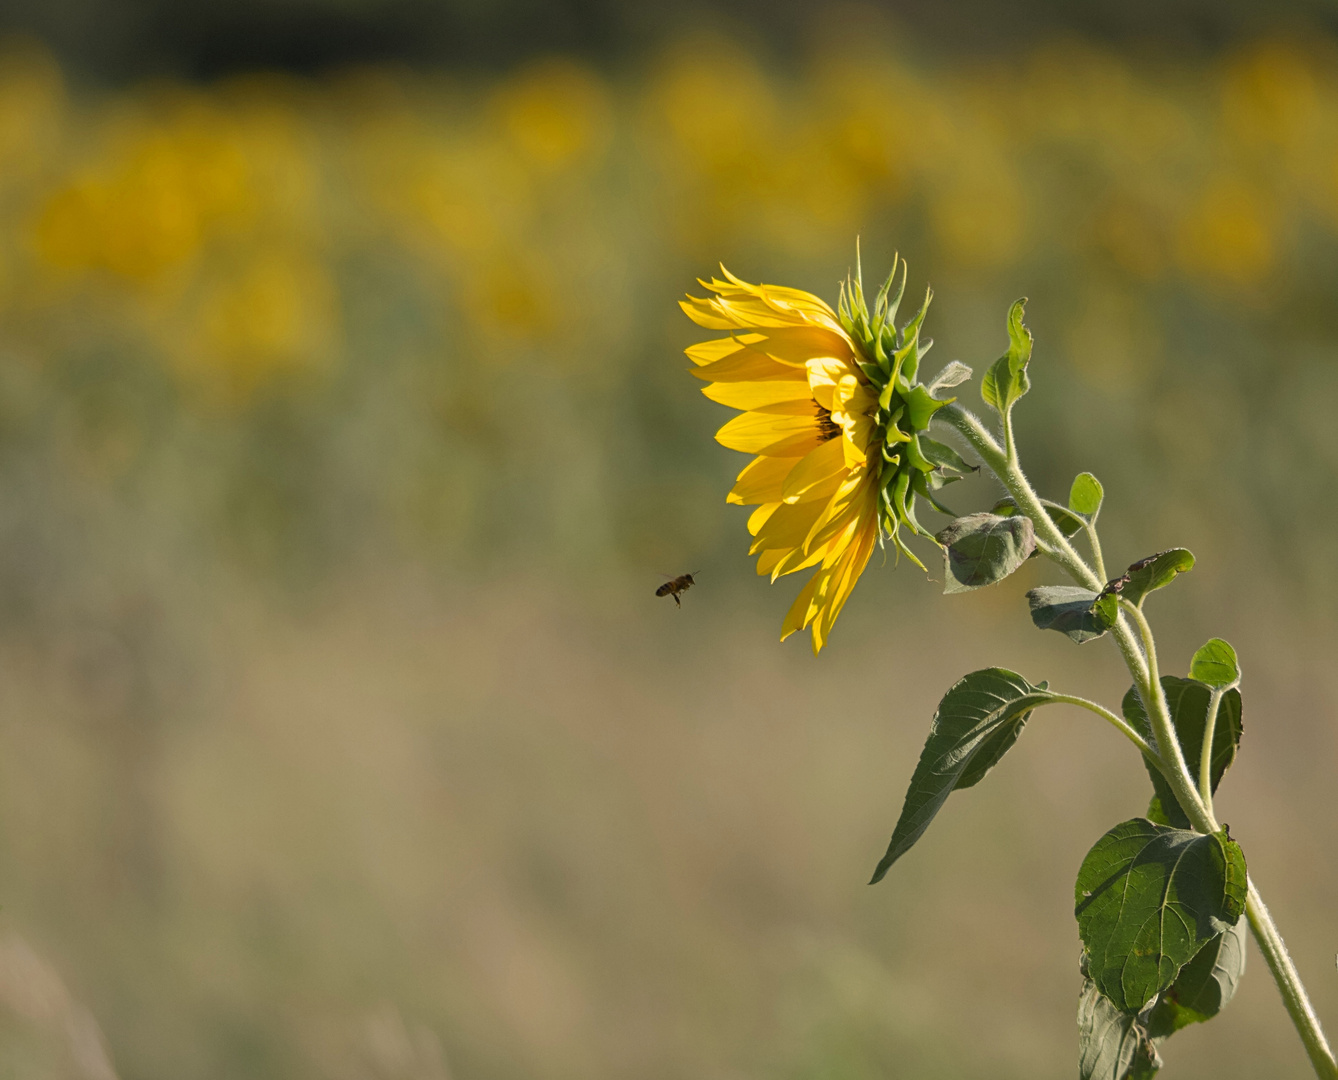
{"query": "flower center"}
{"type": "Point", "coordinates": [828, 428]}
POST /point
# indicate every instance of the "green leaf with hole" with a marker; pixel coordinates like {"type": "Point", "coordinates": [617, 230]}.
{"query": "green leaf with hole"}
{"type": "Point", "coordinates": [1112, 1045]}
{"type": "Point", "coordinates": [1148, 898]}
{"type": "Point", "coordinates": [1068, 609]}
{"type": "Point", "coordinates": [1215, 664]}
{"type": "Point", "coordinates": [1085, 496]}
{"type": "Point", "coordinates": [977, 722]}
{"type": "Point", "coordinates": [1204, 985]}
{"type": "Point", "coordinates": [1187, 702]}
{"type": "Point", "coordinates": [1154, 572]}
{"type": "Point", "coordinates": [1007, 380]}
{"type": "Point", "coordinates": [980, 549]}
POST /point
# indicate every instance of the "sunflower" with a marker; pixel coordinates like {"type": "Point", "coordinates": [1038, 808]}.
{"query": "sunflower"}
{"type": "Point", "coordinates": [830, 407]}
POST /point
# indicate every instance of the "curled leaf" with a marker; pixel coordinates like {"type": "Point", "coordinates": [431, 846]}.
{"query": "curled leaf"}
{"type": "Point", "coordinates": [980, 549]}
{"type": "Point", "coordinates": [1069, 610]}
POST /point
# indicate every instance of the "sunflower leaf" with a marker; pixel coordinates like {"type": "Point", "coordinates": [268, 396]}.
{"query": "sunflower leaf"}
{"type": "Point", "coordinates": [1085, 496]}
{"type": "Point", "coordinates": [1215, 664]}
{"type": "Point", "coordinates": [1112, 1045]}
{"type": "Point", "coordinates": [980, 549]}
{"type": "Point", "coordinates": [977, 722]}
{"type": "Point", "coordinates": [1068, 609]}
{"type": "Point", "coordinates": [1203, 987]}
{"type": "Point", "coordinates": [1148, 898]}
{"type": "Point", "coordinates": [1187, 701]}
{"type": "Point", "coordinates": [1007, 380]}
{"type": "Point", "coordinates": [1152, 573]}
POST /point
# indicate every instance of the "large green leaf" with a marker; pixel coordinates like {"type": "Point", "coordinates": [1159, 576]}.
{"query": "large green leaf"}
{"type": "Point", "coordinates": [1068, 609]}
{"type": "Point", "coordinates": [1187, 701]}
{"type": "Point", "coordinates": [977, 722]}
{"type": "Point", "coordinates": [980, 549]}
{"type": "Point", "coordinates": [1148, 898]}
{"type": "Point", "coordinates": [1112, 1045]}
{"type": "Point", "coordinates": [1203, 986]}
{"type": "Point", "coordinates": [1007, 380]}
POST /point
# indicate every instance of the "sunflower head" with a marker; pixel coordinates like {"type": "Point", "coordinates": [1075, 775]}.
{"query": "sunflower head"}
{"type": "Point", "coordinates": [830, 405]}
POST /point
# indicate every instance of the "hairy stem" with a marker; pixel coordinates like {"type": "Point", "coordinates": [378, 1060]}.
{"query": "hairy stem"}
{"type": "Point", "coordinates": [1206, 753]}
{"type": "Point", "coordinates": [1120, 725]}
{"type": "Point", "coordinates": [1053, 543]}
{"type": "Point", "coordinates": [1154, 698]}
{"type": "Point", "coordinates": [1142, 664]}
{"type": "Point", "coordinates": [1289, 985]}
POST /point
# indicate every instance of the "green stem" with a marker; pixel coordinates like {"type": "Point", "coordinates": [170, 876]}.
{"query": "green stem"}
{"type": "Point", "coordinates": [1142, 664]}
{"type": "Point", "coordinates": [1154, 698]}
{"type": "Point", "coordinates": [1206, 753]}
{"type": "Point", "coordinates": [1055, 544]}
{"type": "Point", "coordinates": [1120, 725]}
{"type": "Point", "coordinates": [1290, 986]}
{"type": "Point", "coordinates": [1090, 526]}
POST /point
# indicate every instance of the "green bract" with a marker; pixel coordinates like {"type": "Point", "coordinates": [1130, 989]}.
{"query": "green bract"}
{"type": "Point", "coordinates": [914, 465]}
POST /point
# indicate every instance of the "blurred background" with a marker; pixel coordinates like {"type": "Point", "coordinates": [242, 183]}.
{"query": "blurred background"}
{"type": "Point", "coordinates": [345, 435]}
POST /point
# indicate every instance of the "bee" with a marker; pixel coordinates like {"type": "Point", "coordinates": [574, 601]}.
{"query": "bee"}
{"type": "Point", "coordinates": [677, 585]}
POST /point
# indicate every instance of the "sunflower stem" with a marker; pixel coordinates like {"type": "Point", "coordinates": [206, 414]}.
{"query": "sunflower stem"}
{"type": "Point", "coordinates": [1056, 544]}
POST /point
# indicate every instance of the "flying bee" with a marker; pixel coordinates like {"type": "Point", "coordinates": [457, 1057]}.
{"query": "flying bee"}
{"type": "Point", "coordinates": [674, 586]}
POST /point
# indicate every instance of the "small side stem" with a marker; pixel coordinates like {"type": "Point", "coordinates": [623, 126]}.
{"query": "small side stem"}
{"type": "Point", "coordinates": [1206, 753]}
{"type": "Point", "coordinates": [1290, 986]}
{"type": "Point", "coordinates": [1119, 724]}
{"type": "Point", "coordinates": [1154, 697]}
{"type": "Point", "coordinates": [1096, 549]}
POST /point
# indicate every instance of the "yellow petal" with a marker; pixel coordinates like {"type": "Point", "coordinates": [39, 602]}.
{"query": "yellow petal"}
{"type": "Point", "coordinates": [767, 560]}
{"type": "Point", "coordinates": [759, 517]}
{"type": "Point", "coordinates": [748, 365]}
{"type": "Point", "coordinates": [704, 313]}
{"type": "Point", "coordinates": [851, 497]}
{"type": "Point", "coordinates": [851, 567]}
{"type": "Point", "coordinates": [787, 527]}
{"type": "Point", "coordinates": [792, 561]}
{"type": "Point", "coordinates": [761, 481]}
{"type": "Point", "coordinates": [789, 396]}
{"type": "Point", "coordinates": [705, 352]}
{"type": "Point", "coordinates": [819, 468]}
{"type": "Point", "coordinates": [824, 375]}
{"type": "Point", "coordinates": [797, 617]}
{"type": "Point", "coordinates": [857, 435]}
{"type": "Point", "coordinates": [798, 344]}
{"type": "Point", "coordinates": [774, 436]}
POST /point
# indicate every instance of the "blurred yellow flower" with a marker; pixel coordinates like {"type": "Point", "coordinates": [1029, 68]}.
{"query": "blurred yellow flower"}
{"type": "Point", "coordinates": [1227, 237]}
{"type": "Point", "coordinates": [556, 112]}
{"type": "Point", "coordinates": [807, 412]}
